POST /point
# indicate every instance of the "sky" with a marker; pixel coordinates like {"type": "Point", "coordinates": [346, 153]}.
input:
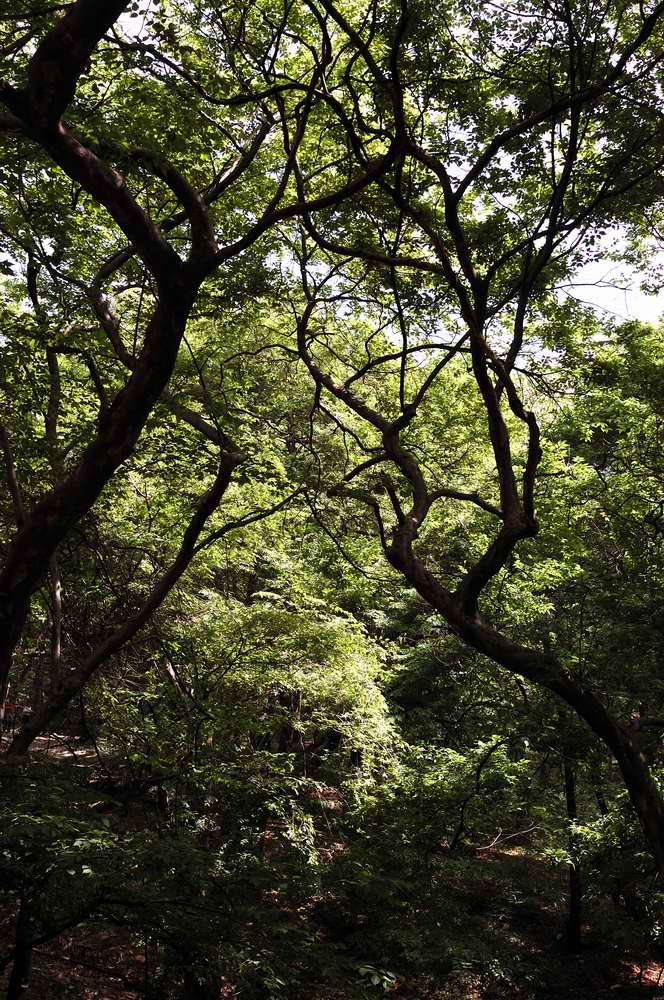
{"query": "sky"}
{"type": "Point", "coordinates": [615, 291]}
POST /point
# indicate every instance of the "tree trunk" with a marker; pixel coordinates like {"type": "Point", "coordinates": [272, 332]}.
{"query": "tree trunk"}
{"type": "Point", "coordinates": [544, 670]}
{"type": "Point", "coordinates": [197, 988]}
{"type": "Point", "coordinates": [575, 898]}
{"type": "Point", "coordinates": [38, 683]}
{"type": "Point", "coordinates": [56, 625]}
{"type": "Point", "coordinates": [623, 742]}
{"type": "Point", "coordinates": [50, 520]}
{"type": "Point", "coordinates": [71, 684]}
{"type": "Point", "coordinates": [19, 981]}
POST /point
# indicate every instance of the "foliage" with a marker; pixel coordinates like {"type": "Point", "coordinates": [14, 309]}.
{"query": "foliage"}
{"type": "Point", "coordinates": [332, 530]}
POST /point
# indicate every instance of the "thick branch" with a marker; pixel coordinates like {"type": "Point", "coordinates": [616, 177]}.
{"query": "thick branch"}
{"type": "Point", "coordinates": [119, 429]}
{"type": "Point", "coordinates": [63, 55]}
{"type": "Point", "coordinates": [71, 684]}
{"type": "Point", "coordinates": [545, 671]}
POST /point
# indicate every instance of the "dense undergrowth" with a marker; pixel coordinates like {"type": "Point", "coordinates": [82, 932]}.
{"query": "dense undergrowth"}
{"type": "Point", "coordinates": [331, 514]}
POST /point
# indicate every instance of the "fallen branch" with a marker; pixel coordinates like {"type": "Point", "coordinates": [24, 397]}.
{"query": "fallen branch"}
{"type": "Point", "coordinates": [499, 839]}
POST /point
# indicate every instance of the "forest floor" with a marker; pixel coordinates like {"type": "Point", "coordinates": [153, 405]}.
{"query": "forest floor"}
{"type": "Point", "coordinates": [483, 927]}
{"type": "Point", "coordinates": [103, 963]}
{"type": "Point", "coordinates": [513, 909]}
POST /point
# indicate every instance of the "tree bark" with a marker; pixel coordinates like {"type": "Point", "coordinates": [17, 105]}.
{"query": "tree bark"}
{"type": "Point", "coordinates": [19, 980]}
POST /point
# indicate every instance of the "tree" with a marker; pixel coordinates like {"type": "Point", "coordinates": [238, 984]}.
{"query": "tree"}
{"type": "Point", "coordinates": [62, 76]}
{"type": "Point", "coordinates": [484, 155]}
{"type": "Point", "coordinates": [497, 194]}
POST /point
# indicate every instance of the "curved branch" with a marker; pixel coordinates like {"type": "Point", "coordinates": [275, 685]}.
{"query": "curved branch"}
{"type": "Point", "coordinates": [63, 55]}
{"type": "Point", "coordinates": [73, 682]}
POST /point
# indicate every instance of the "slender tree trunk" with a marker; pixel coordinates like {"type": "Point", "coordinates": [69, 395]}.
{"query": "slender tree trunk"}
{"type": "Point", "coordinates": [10, 473]}
{"type": "Point", "coordinates": [38, 683]}
{"type": "Point", "coordinates": [58, 472]}
{"type": "Point", "coordinates": [56, 625]}
{"type": "Point", "coordinates": [196, 988]}
{"type": "Point", "coordinates": [575, 898]}
{"type": "Point", "coordinates": [603, 811]}
{"type": "Point", "coordinates": [9, 641]}
{"type": "Point", "coordinates": [599, 794]}
{"type": "Point", "coordinates": [19, 980]}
